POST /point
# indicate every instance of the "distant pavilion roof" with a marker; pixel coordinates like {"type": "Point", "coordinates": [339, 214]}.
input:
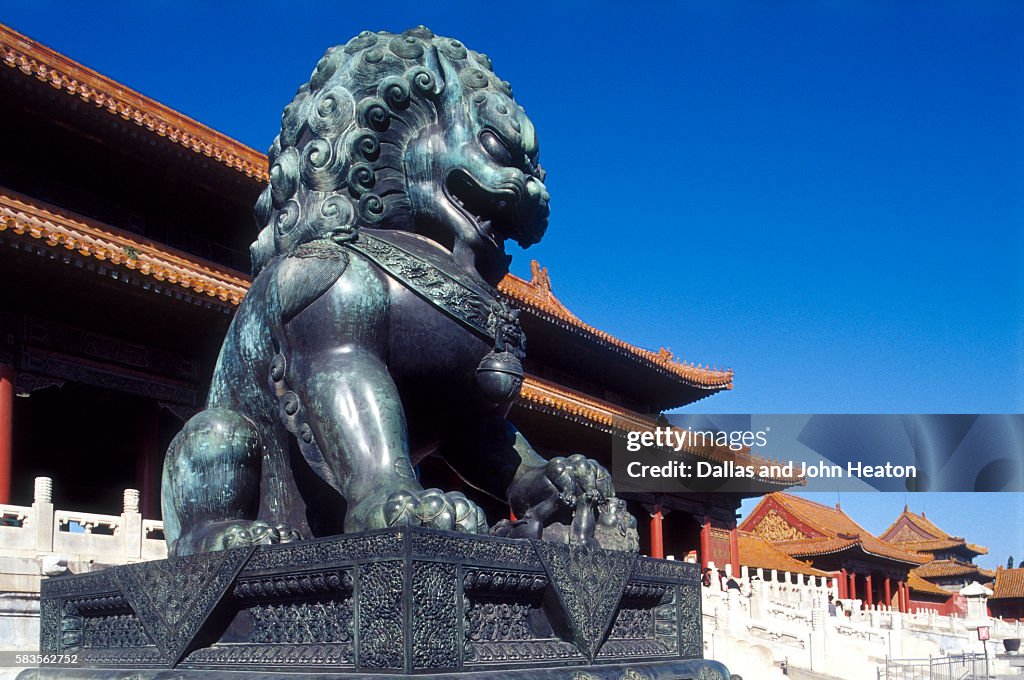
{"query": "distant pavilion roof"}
{"type": "Point", "coordinates": [803, 528]}
{"type": "Point", "coordinates": [919, 585]}
{"type": "Point", "coordinates": [1009, 584]}
{"type": "Point", "coordinates": [947, 569]}
{"type": "Point", "coordinates": [916, 533]}
{"type": "Point", "coordinates": [756, 552]}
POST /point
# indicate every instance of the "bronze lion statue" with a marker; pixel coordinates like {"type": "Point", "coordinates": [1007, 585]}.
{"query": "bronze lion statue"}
{"type": "Point", "coordinates": [373, 334]}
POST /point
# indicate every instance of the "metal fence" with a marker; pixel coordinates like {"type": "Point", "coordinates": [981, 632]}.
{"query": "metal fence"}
{"type": "Point", "coordinates": [955, 667]}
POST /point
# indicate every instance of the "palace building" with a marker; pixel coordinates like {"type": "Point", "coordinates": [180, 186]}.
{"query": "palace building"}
{"type": "Point", "coordinates": [926, 595]}
{"type": "Point", "coordinates": [124, 245]}
{"type": "Point", "coordinates": [865, 567]}
{"type": "Point", "coordinates": [1007, 598]}
{"type": "Point", "coordinates": [950, 558]}
{"type": "Point", "coordinates": [949, 566]}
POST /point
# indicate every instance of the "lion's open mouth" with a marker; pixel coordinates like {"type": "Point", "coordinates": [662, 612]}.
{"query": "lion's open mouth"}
{"type": "Point", "coordinates": [494, 213]}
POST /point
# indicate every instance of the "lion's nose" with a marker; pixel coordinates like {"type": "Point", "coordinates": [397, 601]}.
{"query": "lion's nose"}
{"type": "Point", "coordinates": [537, 191]}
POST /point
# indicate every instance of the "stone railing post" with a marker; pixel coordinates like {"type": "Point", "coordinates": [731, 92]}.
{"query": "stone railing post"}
{"type": "Point", "coordinates": [760, 586]}
{"type": "Point", "coordinates": [42, 514]}
{"type": "Point", "coordinates": [897, 634]}
{"type": "Point", "coordinates": [756, 598]}
{"type": "Point", "coordinates": [131, 525]}
{"type": "Point", "coordinates": [735, 612]}
{"type": "Point", "coordinates": [817, 650]}
{"type": "Point", "coordinates": [716, 581]}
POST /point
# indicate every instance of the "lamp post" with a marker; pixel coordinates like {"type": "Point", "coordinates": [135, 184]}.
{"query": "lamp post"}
{"type": "Point", "coordinates": [984, 633]}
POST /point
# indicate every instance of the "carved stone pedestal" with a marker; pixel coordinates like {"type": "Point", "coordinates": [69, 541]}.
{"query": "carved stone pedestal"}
{"type": "Point", "coordinates": [382, 604]}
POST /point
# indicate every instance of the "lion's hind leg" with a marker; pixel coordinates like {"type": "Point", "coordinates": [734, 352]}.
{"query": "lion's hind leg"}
{"type": "Point", "coordinates": [211, 485]}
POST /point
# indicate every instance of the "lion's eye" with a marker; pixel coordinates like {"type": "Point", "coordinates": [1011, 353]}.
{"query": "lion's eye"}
{"type": "Point", "coordinates": [495, 148]}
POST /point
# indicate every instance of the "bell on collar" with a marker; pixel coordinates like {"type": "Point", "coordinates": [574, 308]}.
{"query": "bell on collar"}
{"type": "Point", "coordinates": [500, 375]}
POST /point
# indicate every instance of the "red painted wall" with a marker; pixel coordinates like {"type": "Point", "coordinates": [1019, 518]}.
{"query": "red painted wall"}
{"type": "Point", "coordinates": [956, 604]}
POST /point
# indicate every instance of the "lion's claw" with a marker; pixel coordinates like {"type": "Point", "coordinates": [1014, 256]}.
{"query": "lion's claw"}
{"type": "Point", "coordinates": [241, 534]}
{"type": "Point", "coordinates": [433, 508]}
{"type": "Point", "coordinates": [577, 476]}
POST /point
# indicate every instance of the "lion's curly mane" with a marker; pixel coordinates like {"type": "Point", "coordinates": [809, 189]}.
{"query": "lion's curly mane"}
{"type": "Point", "coordinates": [337, 163]}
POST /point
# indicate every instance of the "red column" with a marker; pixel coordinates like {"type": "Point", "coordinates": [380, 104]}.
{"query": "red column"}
{"type": "Point", "coordinates": [6, 409]}
{"type": "Point", "coordinates": [705, 542]}
{"type": "Point", "coordinates": [888, 592]}
{"type": "Point", "coordinates": [851, 591]}
{"type": "Point", "coordinates": [906, 596]}
{"type": "Point", "coordinates": [868, 595]}
{"type": "Point", "coordinates": [734, 549]}
{"type": "Point", "coordinates": [657, 539]}
{"type": "Point", "coordinates": [842, 584]}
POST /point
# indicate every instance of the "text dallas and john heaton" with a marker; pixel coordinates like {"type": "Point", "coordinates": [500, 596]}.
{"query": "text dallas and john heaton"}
{"type": "Point", "coordinates": [679, 439]}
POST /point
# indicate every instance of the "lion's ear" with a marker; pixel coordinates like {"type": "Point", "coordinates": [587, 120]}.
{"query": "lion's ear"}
{"type": "Point", "coordinates": [450, 86]}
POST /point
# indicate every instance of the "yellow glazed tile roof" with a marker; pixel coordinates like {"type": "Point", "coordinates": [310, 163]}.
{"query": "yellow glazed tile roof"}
{"type": "Point", "coordinates": [1009, 584]}
{"type": "Point", "coordinates": [75, 80]}
{"type": "Point", "coordinates": [833, 530]}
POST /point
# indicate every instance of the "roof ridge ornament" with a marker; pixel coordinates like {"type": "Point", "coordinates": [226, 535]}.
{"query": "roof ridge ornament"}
{"type": "Point", "coordinates": [539, 277]}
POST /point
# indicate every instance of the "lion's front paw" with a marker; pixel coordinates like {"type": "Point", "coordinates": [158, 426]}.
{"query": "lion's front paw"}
{"type": "Point", "coordinates": [578, 476]}
{"type": "Point", "coordinates": [434, 508]}
{"type": "Point", "coordinates": [239, 534]}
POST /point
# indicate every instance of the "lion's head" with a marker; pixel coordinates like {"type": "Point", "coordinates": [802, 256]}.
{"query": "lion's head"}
{"type": "Point", "coordinates": [410, 132]}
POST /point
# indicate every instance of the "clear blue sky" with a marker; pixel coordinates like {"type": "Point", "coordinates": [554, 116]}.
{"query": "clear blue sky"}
{"type": "Point", "coordinates": [825, 196]}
